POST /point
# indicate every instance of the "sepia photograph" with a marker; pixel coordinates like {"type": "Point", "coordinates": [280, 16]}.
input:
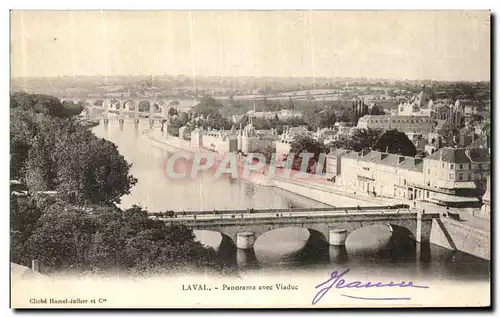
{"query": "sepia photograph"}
{"type": "Point", "coordinates": [250, 159]}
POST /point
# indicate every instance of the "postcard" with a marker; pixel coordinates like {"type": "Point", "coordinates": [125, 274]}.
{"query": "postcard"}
{"type": "Point", "coordinates": [250, 159]}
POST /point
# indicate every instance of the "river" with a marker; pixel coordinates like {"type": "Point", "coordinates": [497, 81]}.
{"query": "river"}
{"type": "Point", "coordinates": [156, 192]}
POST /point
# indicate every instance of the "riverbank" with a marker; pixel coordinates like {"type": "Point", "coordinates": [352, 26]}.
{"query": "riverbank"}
{"type": "Point", "coordinates": [321, 191]}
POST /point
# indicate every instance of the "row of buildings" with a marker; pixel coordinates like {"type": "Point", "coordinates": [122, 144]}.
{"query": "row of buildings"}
{"type": "Point", "coordinates": [247, 139]}
{"type": "Point", "coordinates": [450, 176]}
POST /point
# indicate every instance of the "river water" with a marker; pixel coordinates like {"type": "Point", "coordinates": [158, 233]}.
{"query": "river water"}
{"type": "Point", "coordinates": [156, 192]}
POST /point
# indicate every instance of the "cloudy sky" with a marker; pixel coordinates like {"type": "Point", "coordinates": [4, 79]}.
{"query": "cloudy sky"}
{"type": "Point", "coordinates": [437, 45]}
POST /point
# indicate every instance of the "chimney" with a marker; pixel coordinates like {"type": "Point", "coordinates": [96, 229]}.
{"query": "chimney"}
{"type": "Point", "coordinates": [35, 265]}
{"type": "Point", "coordinates": [401, 159]}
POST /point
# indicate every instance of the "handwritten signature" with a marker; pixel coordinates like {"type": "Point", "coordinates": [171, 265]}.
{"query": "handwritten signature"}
{"type": "Point", "coordinates": [336, 280]}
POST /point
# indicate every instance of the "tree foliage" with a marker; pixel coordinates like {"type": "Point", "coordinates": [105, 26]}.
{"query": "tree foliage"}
{"type": "Point", "coordinates": [172, 111]}
{"type": "Point", "coordinates": [377, 110]}
{"type": "Point", "coordinates": [305, 144]}
{"type": "Point", "coordinates": [81, 230]}
{"type": "Point", "coordinates": [65, 238]}
{"type": "Point", "coordinates": [321, 117]}
{"type": "Point", "coordinates": [360, 139]}
{"type": "Point", "coordinates": [54, 152]}
{"type": "Point", "coordinates": [393, 141]}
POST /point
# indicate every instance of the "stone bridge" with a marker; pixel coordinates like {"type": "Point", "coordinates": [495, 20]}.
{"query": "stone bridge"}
{"type": "Point", "coordinates": [418, 223]}
{"type": "Point", "coordinates": [100, 108]}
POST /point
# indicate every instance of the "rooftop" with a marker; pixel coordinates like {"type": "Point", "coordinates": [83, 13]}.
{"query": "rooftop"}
{"type": "Point", "coordinates": [461, 155]}
{"type": "Point", "coordinates": [388, 159]}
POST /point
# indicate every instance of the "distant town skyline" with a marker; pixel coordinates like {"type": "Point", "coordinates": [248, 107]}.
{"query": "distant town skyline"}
{"type": "Point", "coordinates": [413, 45]}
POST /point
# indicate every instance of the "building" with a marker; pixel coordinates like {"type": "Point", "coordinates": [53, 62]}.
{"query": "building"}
{"type": "Point", "coordinates": [407, 124]}
{"type": "Point", "coordinates": [282, 114]}
{"type": "Point", "coordinates": [381, 174]}
{"type": "Point", "coordinates": [250, 141]}
{"type": "Point", "coordinates": [284, 141]}
{"type": "Point", "coordinates": [453, 176]}
{"type": "Point", "coordinates": [452, 114]}
{"type": "Point", "coordinates": [325, 134]}
{"type": "Point", "coordinates": [216, 140]}
{"type": "Point", "coordinates": [420, 105]}
{"type": "Point", "coordinates": [333, 163]}
{"type": "Point", "coordinates": [450, 176]}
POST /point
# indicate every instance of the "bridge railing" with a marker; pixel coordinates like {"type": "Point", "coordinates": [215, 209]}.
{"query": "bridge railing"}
{"type": "Point", "coordinates": [356, 209]}
{"type": "Point", "coordinates": [248, 216]}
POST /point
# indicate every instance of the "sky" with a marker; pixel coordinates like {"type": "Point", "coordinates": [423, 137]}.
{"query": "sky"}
{"type": "Point", "coordinates": [438, 45]}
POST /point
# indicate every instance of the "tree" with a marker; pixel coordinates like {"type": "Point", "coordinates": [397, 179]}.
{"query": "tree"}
{"type": "Point", "coordinates": [61, 239]}
{"type": "Point", "coordinates": [108, 240]}
{"type": "Point", "coordinates": [90, 169]}
{"type": "Point", "coordinates": [360, 139]}
{"type": "Point", "coordinates": [477, 118]}
{"type": "Point", "coordinates": [309, 97]}
{"type": "Point", "coordinates": [306, 144]}
{"type": "Point", "coordinates": [290, 103]}
{"type": "Point", "coordinates": [376, 110]}
{"type": "Point", "coordinates": [346, 116]}
{"type": "Point", "coordinates": [396, 142]}
{"type": "Point", "coordinates": [44, 104]}
{"type": "Point", "coordinates": [172, 111]}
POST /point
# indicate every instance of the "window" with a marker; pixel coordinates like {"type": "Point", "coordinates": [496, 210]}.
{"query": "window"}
{"type": "Point", "coordinates": [452, 176]}
{"type": "Point", "coordinates": [452, 166]}
{"type": "Point", "coordinates": [470, 166]}
{"type": "Point", "coordinates": [460, 176]}
{"type": "Point", "coordinates": [404, 182]}
{"type": "Point", "coordinates": [442, 165]}
{"type": "Point", "coordinates": [470, 176]}
{"type": "Point", "coordinates": [428, 171]}
{"type": "Point", "coordinates": [461, 166]}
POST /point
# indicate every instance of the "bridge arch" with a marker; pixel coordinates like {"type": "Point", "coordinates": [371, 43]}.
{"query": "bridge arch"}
{"type": "Point", "coordinates": [144, 105]}
{"type": "Point", "coordinates": [129, 104]}
{"type": "Point", "coordinates": [158, 105]}
{"type": "Point", "coordinates": [224, 246]}
{"type": "Point", "coordinates": [415, 222]}
{"type": "Point", "coordinates": [114, 104]}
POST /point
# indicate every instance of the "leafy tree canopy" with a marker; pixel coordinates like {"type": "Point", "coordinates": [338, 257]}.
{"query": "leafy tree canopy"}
{"type": "Point", "coordinates": [396, 142]}
{"type": "Point", "coordinates": [308, 145]}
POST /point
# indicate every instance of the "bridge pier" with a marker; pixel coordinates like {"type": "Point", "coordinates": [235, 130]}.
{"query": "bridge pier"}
{"type": "Point", "coordinates": [245, 240]}
{"type": "Point", "coordinates": [337, 237]}
{"type": "Point", "coordinates": [424, 226]}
